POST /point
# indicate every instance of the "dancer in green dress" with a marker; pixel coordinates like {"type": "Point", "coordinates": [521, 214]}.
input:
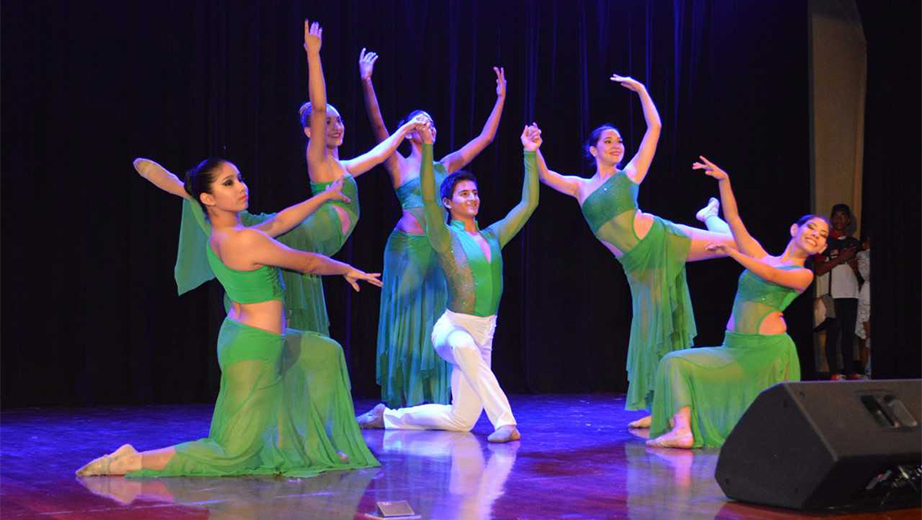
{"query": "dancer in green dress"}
{"type": "Point", "coordinates": [284, 405]}
{"type": "Point", "coordinates": [408, 370]}
{"type": "Point", "coordinates": [652, 250]}
{"type": "Point", "coordinates": [701, 393]}
{"type": "Point", "coordinates": [324, 232]}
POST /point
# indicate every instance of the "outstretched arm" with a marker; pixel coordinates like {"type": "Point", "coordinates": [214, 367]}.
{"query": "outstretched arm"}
{"type": "Point", "coordinates": [459, 159]}
{"type": "Point", "coordinates": [566, 184]}
{"type": "Point", "coordinates": [317, 93]}
{"type": "Point", "coordinates": [436, 229]}
{"type": "Point", "coordinates": [741, 236]}
{"type": "Point", "coordinates": [161, 177]}
{"type": "Point", "coordinates": [640, 164]}
{"type": "Point", "coordinates": [383, 150]}
{"type": "Point", "coordinates": [515, 220]}
{"type": "Point", "coordinates": [378, 128]}
{"type": "Point", "coordinates": [262, 250]}
{"type": "Point", "coordinates": [288, 218]}
{"type": "Point", "coordinates": [797, 279]}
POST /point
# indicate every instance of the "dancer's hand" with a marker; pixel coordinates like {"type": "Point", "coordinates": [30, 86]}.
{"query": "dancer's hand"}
{"type": "Point", "coordinates": [717, 247]}
{"type": "Point", "coordinates": [367, 64]}
{"type": "Point", "coordinates": [423, 129]}
{"type": "Point", "coordinates": [500, 81]}
{"type": "Point", "coordinates": [313, 36]}
{"type": "Point", "coordinates": [531, 137]}
{"type": "Point", "coordinates": [710, 168]}
{"type": "Point", "coordinates": [335, 191]}
{"type": "Point", "coordinates": [354, 275]}
{"type": "Point", "coordinates": [628, 83]}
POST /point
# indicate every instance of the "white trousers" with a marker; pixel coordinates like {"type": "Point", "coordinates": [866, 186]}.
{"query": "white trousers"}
{"type": "Point", "coordinates": [466, 342]}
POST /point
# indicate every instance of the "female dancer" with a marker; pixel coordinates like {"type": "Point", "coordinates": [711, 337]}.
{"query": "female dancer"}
{"type": "Point", "coordinates": [284, 405]}
{"type": "Point", "coordinates": [408, 370]}
{"type": "Point", "coordinates": [324, 232]}
{"type": "Point", "coordinates": [652, 250]}
{"type": "Point", "coordinates": [701, 393]}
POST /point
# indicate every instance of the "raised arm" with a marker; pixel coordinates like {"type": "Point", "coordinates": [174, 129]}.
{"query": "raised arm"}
{"type": "Point", "coordinates": [378, 128]}
{"type": "Point", "coordinates": [640, 164]}
{"type": "Point", "coordinates": [460, 158]}
{"type": "Point", "coordinates": [259, 249]}
{"type": "Point", "coordinates": [285, 220]}
{"type": "Point", "coordinates": [317, 93]}
{"type": "Point", "coordinates": [435, 226]}
{"type": "Point", "coordinates": [741, 236]}
{"type": "Point", "coordinates": [566, 184]}
{"type": "Point", "coordinates": [508, 227]}
{"type": "Point", "coordinates": [797, 279]}
{"type": "Point", "coordinates": [161, 177]}
{"type": "Point", "coordinates": [383, 150]}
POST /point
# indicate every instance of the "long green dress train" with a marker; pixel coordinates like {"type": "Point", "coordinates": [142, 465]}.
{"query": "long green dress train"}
{"type": "Point", "coordinates": [663, 320]}
{"type": "Point", "coordinates": [284, 405]}
{"type": "Point", "coordinates": [414, 295]}
{"type": "Point", "coordinates": [319, 233]}
{"type": "Point", "coordinates": [719, 383]}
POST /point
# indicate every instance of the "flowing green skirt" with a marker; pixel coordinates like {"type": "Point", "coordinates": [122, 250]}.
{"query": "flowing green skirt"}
{"type": "Point", "coordinates": [413, 298]}
{"type": "Point", "coordinates": [719, 383]}
{"type": "Point", "coordinates": [663, 318]}
{"type": "Point", "coordinates": [284, 407]}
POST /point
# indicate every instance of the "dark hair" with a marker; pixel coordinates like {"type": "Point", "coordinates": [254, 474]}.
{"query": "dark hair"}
{"type": "Point", "coordinates": [843, 208]}
{"type": "Point", "coordinates": [808, 217]}
{"type": "Point", "coordinates": [414, 113]}
{"type": "Point", "coordinates": [594, 139]}
{"type": "Point", "coordinates": [448, 185]}
{"type": "Point", "coordinates": [305, 113]}
{"type": "Point", "coordinates": [200, 178]}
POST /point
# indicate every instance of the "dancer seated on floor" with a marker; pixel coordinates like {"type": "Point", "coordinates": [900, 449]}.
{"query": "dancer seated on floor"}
{"type": "Point", "coordinates": [284, 405]}
{"type": "Point", "coordinates": [652, 250]}
{"type": "Point", "coordinates": [701, 393]}
{"type": "Point", "coordinates": [473, 264]}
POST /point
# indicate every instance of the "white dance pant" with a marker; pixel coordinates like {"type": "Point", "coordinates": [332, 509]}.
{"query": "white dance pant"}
{"type": "Point", "coordinates": [466, 342]}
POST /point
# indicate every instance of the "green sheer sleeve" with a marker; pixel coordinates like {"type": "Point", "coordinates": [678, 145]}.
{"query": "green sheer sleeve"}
{"type": "Point", "coordinates": [508, 227]}
{"type": "Point", "coordinates": [436, 229]}
{"type": "Point", "coordinates": [192, 269]}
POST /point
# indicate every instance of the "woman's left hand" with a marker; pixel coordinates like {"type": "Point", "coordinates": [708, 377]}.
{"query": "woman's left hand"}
{"type": "Point", "coordinates": [313, 36]}
{"type": "Point", "coordinates": [710, 168]}
{"type": "Point", "coordinates": [355, 275]}
{"type": "Point", "coordinates": [531, 137]}
{"type": "Point", "coordinates": [628, 83]}
{"type": "Point", "coordinates": [500, 81]}
{"type": "Point", "coordinates": [717, 247]}
{"type": "Point", "coordinates": [335, 191]}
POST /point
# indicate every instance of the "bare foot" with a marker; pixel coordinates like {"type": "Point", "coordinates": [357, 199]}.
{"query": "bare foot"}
{"type": "Point", "coordinates": [118, 462]}
{"type": "Point", "coordinates": [676, 438]}
{"type": "Point", "coordinates": [643, 422]}
{"type": "Point", "coordinates": [507, 433]}
{"type": "Point", "coordinates": [373, 418]}
{"type": "Point", "coordinates": [708, 211]}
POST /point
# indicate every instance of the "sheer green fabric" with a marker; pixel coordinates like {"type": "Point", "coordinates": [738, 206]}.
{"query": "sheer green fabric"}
{"type": "Point", "coordinates": [610, 211]}
{"type": "Point", "coordinates": [719, 383]}
{"type": "Point", "coordinates": [321, 233]}
{"type": "Point", "coordinates": [475, 285]}
{"type": "Point", "coordinates": [663, 320]}
{"type": "Point", "coordinates": [256, 286]}
{"type": "Point", "coordinates": [284, 407]}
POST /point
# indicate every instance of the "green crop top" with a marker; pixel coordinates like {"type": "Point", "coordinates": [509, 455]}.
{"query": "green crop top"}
{"type": "Point", "coordinates": [756, 299]}
{"type": "Point", "coordinates": [351, 190]}
{"type": "Point", "coordinates": [260, 285]}
{"type": "Point", "coordinates": [475, 285]}
{"type": "Point", "coordinates": [610, 211]}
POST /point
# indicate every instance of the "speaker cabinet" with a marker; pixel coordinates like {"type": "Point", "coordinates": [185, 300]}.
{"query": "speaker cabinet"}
{"type": "Point", "coordinates": [813, 445]}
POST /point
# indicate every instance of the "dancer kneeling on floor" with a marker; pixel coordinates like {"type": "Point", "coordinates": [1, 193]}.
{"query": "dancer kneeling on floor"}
{"type": "Point", "coordinates": [473, 265]}
{"type": "Point", "coordinates": [284, 405]}
{"type": "Point", "coordinates": [701, 393]}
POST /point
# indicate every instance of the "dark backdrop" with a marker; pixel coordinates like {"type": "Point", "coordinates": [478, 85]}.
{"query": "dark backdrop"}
{"type": "Point", "coordinates": [89, 305]}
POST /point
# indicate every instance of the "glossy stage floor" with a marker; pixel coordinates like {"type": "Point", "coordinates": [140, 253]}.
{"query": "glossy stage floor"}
{"type": "Point", "coordinates": [576, 460]}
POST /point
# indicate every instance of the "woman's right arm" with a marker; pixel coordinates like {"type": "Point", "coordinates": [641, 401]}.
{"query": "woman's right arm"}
{"type": "Point", "coordinates": [373, 109]}
{"type": "Point", "coordinates": [161, 177]}
{"type": "Point", "coordinates": [741, 236]}
{"type": "Point", "coordinates": [566, 184]}
{"type": "Point", "coordinates": [317, 93]}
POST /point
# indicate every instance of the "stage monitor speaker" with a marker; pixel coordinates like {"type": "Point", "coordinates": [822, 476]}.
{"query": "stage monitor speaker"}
{"type": "Point", "coordinates": [813, 445]}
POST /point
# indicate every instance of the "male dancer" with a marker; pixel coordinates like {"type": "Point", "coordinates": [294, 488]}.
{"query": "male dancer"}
{"type": "Point", "coordinates": [473, 264]}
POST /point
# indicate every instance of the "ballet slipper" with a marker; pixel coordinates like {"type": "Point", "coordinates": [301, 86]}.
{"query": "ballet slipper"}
{"type": "Point", "coordinates": [103, 465]}
{"type": "Point", "coordinates": [507, 433]}
{"type": "Point", "coordinates": [673, 439]}
{"type": "Point", "coordinates": [372, 419]}
{"type": "Point", "coordinates": [710, 210]}
{"type": "Point", "coordinates": [643, 422]}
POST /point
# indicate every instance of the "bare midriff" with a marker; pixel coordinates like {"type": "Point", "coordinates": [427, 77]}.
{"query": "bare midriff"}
{"type": "Point", "coordinates": [268, 315]}
{"type": "Point", "coordinates": [772, 324]}
{"type": "Point", "coordinates": [409, 225]}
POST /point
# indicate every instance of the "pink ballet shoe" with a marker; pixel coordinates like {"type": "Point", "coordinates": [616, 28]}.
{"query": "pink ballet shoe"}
{"type": "Point", "coordinates": [505, 434]}
{"type": "Point", "coordinates": [673, 439]}
{"type": "Point", "coordinates": [643, 422]}
{"type": "Point", "coordinates": [102, 465]}
{"type": "Point", "coordinates": [372, 419]}
{"type": "Point", "coordinates": [713, 206]}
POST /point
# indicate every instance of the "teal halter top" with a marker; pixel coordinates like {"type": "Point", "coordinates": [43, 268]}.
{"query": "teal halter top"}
{"type": "Point", "coordinates": [610, 209]}
{"type": "Point", "coordinates": [350, 189]}
{"type": "Point", "coordinates": [409, 193]}
{"type": "Point", "coordinates": [756, 299]}
{"type": "Point", "coordinates": [257, 286]}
